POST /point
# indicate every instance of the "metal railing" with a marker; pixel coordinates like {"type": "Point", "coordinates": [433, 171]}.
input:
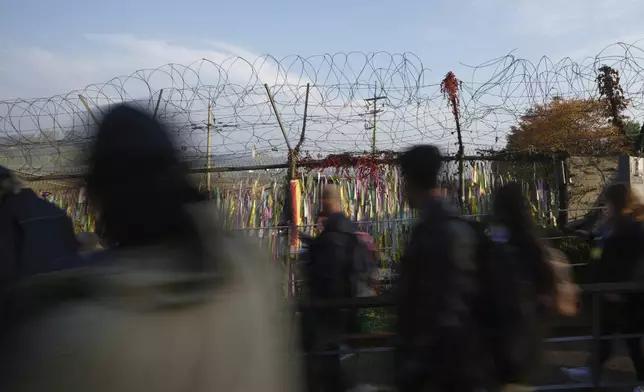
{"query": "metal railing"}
{"type": "Point", "coordinates": [594, 291]}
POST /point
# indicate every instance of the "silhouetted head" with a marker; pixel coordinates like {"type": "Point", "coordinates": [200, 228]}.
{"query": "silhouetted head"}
{"type": "Point", "coordinates": [331, 203]}
{"type": "Point", "coordinates": [511, 208]}
{"type": "Point", "coordinates": [9, 184]}
{"type": "Point", "coordinates": [622, 203]}
{"type": "Point", "coordinates": [420, 166]}
{"type": "Point", "coordinates": [135, 180]}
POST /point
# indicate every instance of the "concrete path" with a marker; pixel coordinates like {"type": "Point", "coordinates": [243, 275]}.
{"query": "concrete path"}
{"type": "Point", "coordinates": [374, 370]}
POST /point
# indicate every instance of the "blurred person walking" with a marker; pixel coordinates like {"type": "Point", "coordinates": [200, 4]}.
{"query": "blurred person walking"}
{"type": "Point", "coordinates": [339, 264]}
{"type": "Point", "coordinates": [176, 305]}
{"type": "Point", "coordinates": [35, 235]}
{"type": "Point", "coordinates": [440, 346]}
{"type": "Point", "coordinates": [524, 286]}
{"type": "Point", "coordinates": [621, 259]}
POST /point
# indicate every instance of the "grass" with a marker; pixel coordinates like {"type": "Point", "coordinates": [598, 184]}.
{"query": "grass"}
{"type": "Point", "coordinates": [377, 319]}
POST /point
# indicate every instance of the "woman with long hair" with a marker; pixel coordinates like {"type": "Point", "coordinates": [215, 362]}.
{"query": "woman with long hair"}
{"type": "Point", "coordinates": [621, 260]}
{"type": "Point", "coordinates": [529, 287]}
{"type": "Point", "coordinates": [513, 220]}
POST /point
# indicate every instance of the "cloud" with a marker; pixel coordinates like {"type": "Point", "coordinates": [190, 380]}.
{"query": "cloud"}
{"type": "Point", "coordinates": [89, 67]}
{"type": "Point", "coordinates": [245, 119]}
{"type": "Point", "coordinates": [216, 75]}
{"type": "Point", "coordinates": [35, 71]}
{"type": "Point", "coordinates": [606, 48]}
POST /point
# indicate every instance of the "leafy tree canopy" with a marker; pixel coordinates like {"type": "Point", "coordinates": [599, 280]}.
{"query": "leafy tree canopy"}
{"type": "Point", "coordinates": [576, 126]}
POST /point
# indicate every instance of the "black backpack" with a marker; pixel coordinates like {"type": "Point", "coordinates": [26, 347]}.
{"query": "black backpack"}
{"type": "Point", "coordinates": [38, 240]}
{"type": "Point", "coordinates": [42, 235]}
{"type": "Point", "coordinates": [505, 309]}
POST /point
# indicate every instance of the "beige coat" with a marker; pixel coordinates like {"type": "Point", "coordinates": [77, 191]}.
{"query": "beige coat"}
{"type": "Point", "coordinates": [142, 334]}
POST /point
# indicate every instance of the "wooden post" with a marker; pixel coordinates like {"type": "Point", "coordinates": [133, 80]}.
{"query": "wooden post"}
{"type": "Point", "coordinates": [561, 174]}
{"type": "Point", "coordinates": [277, 115]}
{"type": "Point", "coordinates": [450, 88]}
{"type": "Point", "coordinates": [306, 110]}
{"type": "Point", "coordinates": [84, 102]}
{"type": "Point", "coordinates": [461, 159]}
{"type": "Point", "coordinates": [289, 200]}
{"type": "Point", "coordinates": [156, 107]}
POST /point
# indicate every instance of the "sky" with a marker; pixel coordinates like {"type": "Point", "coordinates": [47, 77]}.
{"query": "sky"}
{"type": "Point", "coordinates": [50, 47]}
{"type": "Point", "coordinates": [54, 47]}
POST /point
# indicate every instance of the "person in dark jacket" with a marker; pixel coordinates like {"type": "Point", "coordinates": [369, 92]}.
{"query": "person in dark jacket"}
{"type": "Point", "coordinates": [621, 260]}
{"type": "Point", "coordinates": [329, 266]}
{"type": "Point", "coordinates": [36, 236]}
{"type": "Point", "coordinates": [512, 215]}
{"type": "Point", "coordinates": [319, 225]}
{"type": "Point", "coordinates": [328, 273]}
{"type": "Point", "coordinates": [439, 342]}
{"type": "Point", "coordinates": [515, 234]}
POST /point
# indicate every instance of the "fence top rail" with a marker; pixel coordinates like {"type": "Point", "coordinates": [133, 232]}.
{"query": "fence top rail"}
{"type": "Point", "coordinates": [313, 163]}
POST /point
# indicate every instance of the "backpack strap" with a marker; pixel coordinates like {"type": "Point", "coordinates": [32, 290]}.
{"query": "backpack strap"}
{"type": "Point", "coordinates": [362, 266]}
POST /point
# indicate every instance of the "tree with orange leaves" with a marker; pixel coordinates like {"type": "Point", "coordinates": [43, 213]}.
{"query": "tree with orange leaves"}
{"type": "Point", "coordinates": [576, 126]}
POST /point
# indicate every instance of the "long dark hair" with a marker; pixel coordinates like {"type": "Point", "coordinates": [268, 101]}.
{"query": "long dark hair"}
{"type": "Point", "coordinates": [136, 181]}
{"type": "Point", "coordinates": [512, 210]}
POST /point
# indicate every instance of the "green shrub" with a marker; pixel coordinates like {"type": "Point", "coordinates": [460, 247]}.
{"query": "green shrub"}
{"type": "Point", "coordinates": [376, 319]}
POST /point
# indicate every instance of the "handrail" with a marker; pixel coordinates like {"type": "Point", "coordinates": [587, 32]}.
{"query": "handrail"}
{"type": "Point", "coordinates": [388, 300]}
{"type": "Point", "coordinates": [595, 290]}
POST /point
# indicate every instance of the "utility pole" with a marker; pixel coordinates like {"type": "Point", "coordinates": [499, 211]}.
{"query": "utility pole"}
{"type": "Point", "coordinates": [89, 111]}
{"type": "Point", "coordinates": [374, 112]}
{"type": "Point", "coordinates": [210, 127]}
{"type": "Point", "coordinates": [208, 147]}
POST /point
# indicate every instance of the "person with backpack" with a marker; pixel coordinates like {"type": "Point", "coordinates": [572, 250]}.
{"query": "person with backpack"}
{"type": "Point", "coordinates": [366, 271]}
{"type": "Point", "coordinates": [440, 345]}
{"type": "Point", "coordinates": [35, 235]}
{"type": "Point", "coordinates": [175, 304]}
{"type": "Point", "coordinates": [339, 263]}
{"type": "Point", "coordinates": [307, 238]}
{"type": "Point", "coordinates": [520, 288]}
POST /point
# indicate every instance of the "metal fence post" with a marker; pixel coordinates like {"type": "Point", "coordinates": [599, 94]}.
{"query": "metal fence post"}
{"type": "Point", "coordinates": [596, 342]}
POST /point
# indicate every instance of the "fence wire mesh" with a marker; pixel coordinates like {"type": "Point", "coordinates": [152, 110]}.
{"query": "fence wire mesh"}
{"type": "Point", "coordinates": [356, 102]}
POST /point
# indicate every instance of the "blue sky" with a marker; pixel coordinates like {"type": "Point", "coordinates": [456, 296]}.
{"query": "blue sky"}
{"type": "Point", "coordinates": [54, 46]}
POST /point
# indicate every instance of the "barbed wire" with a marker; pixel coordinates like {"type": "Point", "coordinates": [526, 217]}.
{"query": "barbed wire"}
{"type": "Point", "coordinates": [349, 94]}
